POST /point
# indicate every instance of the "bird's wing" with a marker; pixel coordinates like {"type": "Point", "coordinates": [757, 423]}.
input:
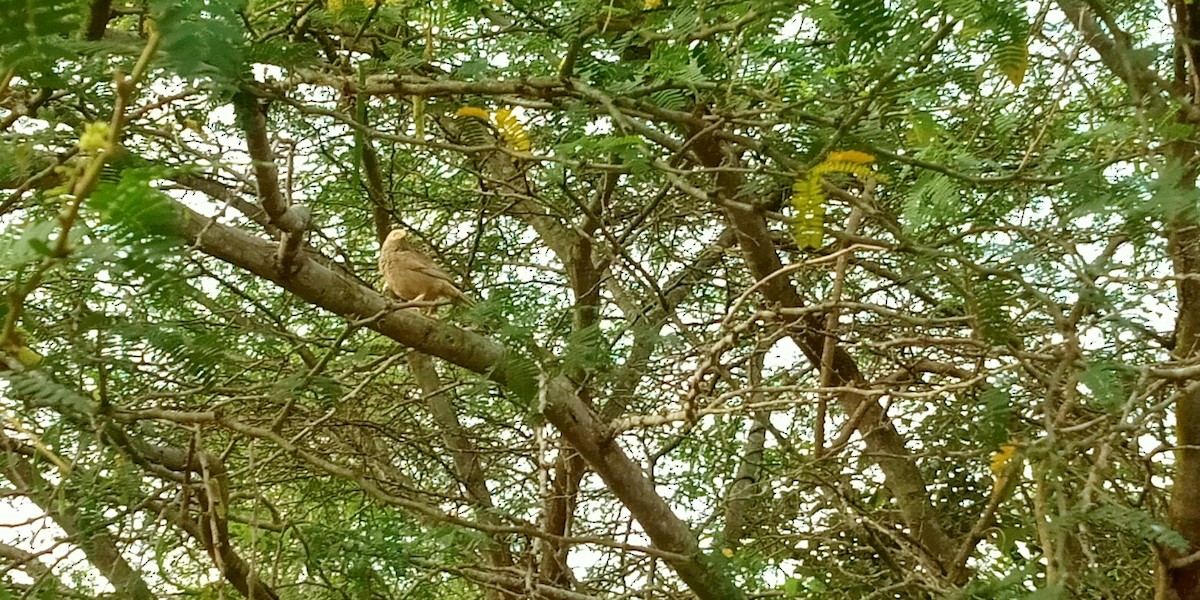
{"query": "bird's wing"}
{"type": "Point", "coordinates": [425, 265]}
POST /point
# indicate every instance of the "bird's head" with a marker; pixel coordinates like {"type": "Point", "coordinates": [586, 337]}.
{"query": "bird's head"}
{"type": "Point", "coordinates": [397, 238]}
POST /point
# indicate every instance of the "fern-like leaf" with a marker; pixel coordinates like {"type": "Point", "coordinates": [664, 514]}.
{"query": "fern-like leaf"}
{"type": "Point", "coordinates": [1008, 32]}
{"type": "Point", "coordinates": [993, 323]}
{"type": "Point", "coordinates": [511, 130]}
{"type": "Point", "coordinates": [1141, 524]}
{"type": "Point", "coordinates": [808, 196]}
{"type": "Point", "coordinates": [1012, 58]}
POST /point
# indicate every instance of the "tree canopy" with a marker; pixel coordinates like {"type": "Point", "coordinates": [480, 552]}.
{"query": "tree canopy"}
{"type": "Point", "coordinates": [829, 299]}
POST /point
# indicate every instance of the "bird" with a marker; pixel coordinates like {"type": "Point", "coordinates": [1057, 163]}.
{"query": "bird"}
{"type": "Point", "coordinates": [412, 276]}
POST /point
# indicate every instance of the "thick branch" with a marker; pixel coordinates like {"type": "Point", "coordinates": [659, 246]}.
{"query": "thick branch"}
{"type": "Point", "coordinates": [99, 547]}
{"type": "Point", "coordinates": [745, 482]}
{"type": "Point", "coordinates": [902, 477]}
{"type": "Point", "coordinates": [341, 295]}
{"type": "Point", "coordinates": [462, 451]}
{"type": "Point", "coordinates": [293, 220]}
{"type": "Point", "coordinates": [99, 13]}
{"type": "Point", "coordinates": [1118, 54]}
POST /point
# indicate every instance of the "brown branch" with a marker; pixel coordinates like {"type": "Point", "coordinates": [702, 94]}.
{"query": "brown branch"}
{"type": "Point", "coordinates": [465, 455]}
{"type": "Point", "coordinates": [339, 294]}
{"type": "Point", "coordinates": [1118, 54]}
{"type": "Point", "coordinates": [584, 276]}
{"type": "Point", "coordinates": [24, 560]}
{"type": "Point", "coordinates": [213, 530]}
{"type": "Point", "coordinates": [902, 476]}
{"type": "Point", "coordinates": [745, 481]}
{"type": "Point", "coordinates": [292, 220]}
{"type": "Point", "coordinates": [637, 492]}
{"type": "Point", "coordinates": [409, 85]}
{"type": "Point", "coordinates": [503, 580]}
{"type": "Point", "coordinates": [97, 544]}
{"type": "Point", "coordinates": [98, 16]}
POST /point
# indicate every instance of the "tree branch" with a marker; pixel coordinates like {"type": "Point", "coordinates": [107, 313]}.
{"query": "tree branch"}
{"type": "Point", "coordinates": [341, 295]}
{"type": "Point", "coordinates": [99, 547]}
{"type": "Point", "coordinates": [902, 477]}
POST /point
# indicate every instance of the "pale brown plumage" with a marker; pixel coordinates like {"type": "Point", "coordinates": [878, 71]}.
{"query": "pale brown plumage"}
{"type": "Point", "coordinates": [412, 276]}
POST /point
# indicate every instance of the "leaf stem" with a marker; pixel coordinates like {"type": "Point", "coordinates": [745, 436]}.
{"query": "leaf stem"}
{"type": "Point", "coordinates": [126, 88]}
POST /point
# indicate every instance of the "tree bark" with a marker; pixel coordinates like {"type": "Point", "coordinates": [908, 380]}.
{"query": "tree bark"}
{"type": "Point", "coordinates": [902, 476]}
{"type": "Point", "coordinates": [342, 295]}
{"type": "Point", "coordinates": [97, 544]}
{"type": "Point", "coordinates": [1183, 582]}
{"type": "Point", "coordinates": [1177, 580]}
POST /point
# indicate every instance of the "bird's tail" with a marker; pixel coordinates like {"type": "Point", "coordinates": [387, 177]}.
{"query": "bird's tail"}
{"type": "Point", "coordinates": [463, 299]}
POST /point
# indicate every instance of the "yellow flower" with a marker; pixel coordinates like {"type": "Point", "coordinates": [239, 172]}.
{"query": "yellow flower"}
{"type": "Point", "coordinates": [473, 111]}
{"type": "Point", "coordinates": [1000, 459]}
{"type": "Point", "coordinates": [853, 156]}
{"type": "Point", "coordinates": [511, 130]}
{"type": "Point", "coordinates": [94, 137]}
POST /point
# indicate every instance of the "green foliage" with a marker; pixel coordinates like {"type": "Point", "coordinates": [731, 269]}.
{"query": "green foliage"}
{"type": "Point", "coordinates": [1006, 32]}
{"type": "Point", "coordinates": [1109, 383]}
{"type": "Point", "coordinates": [291, 55]}
{"type": "Point", "coordinates": [933, 201]}
{"type": "Point", "coordinates": [629, 150]}
{"type": "Point", "coordinates": [27, 19]}
{"type": "Point", "coordinates": [139, 227]}
{"type": "Point", "coordinates": [202, 39]}
{"type": "Point", "coordinates": [521, 375]}
{"type": "Point", "coordinates": [993, 428]}
{"type": "Point", "coordinates": [866, 21]}
{"type": "Point", "coordinates": [991, 297]}
{"type": "Point", "coordinates": [586, 350]}
{"type": "Point", "coordinates": [1168, 196]}
{"type": "Point", "coordinates": [1012, 168]}
{"type": "Point", "coordinates": [136, 211]}
{"type": "Point", "coordinates": [1054, 592]}
{"type": "Point", "coordinates": [1139, 524]}
{"type": "Point", "coordinates": [32, 36]}
{"type": "Point", "coordinates": [675, 62]}
{"type": "Point", "coordinates": [41, 390]}
{"type": "Point", "coordinates": [200, 355]}
{"type": "Point", "coordinates": [1010, 586]}
{"type": "Point", "coordinates": [27, 246]}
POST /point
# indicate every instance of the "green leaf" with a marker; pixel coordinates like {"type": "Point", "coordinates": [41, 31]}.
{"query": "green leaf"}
{"type": "Point", "coordinates": [792, 587]}
{"type": "Point", "coordinates": [37, 389]}
{"type": "Point", "coordinates": [520, 376]}
{"type": "Point", "coordinates": [134, 208]}
{"type": "Point", "coordinates": [30, 246]}
{"type": "Point", "coordinates": [934, 199]}
{"type": "Point", "coordinates": [993, 430]}
{"type": "Point", "coordinates": [923, 129]}
{"type": "Point", "coordinates": [867, 21]}
{"type": "Point", "coordinates": [1107, 381]}
{"type": "Point", "coordinates": [1140, 524]}
{"type": "Point", "coordinates": [202, 39]}
{"type": "Point", "coordinates": [22, 21]}
{"type": "Point", "coordinates": [289, 55]}
{"type": "Point", "coordinates": [1012, 58]}
{"type": "Point", "coordinates": [586, 349]}
{"type": "Point", "coordinates": [1170, 195]}
{"type": "Point", "coordinates": [991, 296]}
{"type": "Point", "coordinates": [1052, 592]}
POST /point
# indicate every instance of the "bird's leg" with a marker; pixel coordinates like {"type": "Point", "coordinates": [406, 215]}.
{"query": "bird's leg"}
{"type": "Point", "coordinates": [397, 303]}
{"type": "Point", "coordinates": [429, 309]}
